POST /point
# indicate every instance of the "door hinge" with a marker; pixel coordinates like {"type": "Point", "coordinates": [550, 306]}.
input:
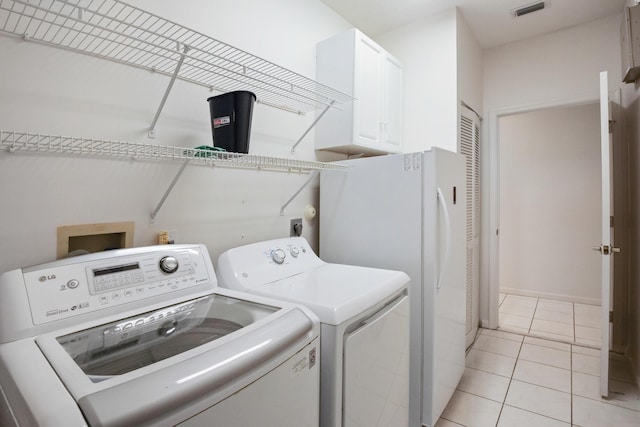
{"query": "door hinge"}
{"type": "Point", "coordinates": [611, 317]}
{"type": "Point", "coordinates": [611, 221]}
{"type": "Point", "coordinates": [611, 123]}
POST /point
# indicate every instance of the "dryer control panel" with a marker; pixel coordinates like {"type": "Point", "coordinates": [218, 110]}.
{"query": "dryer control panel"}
{"type": "Point", "coordinates": [253, 265]}
{"type": "Point", "coordinates": [88, 283]}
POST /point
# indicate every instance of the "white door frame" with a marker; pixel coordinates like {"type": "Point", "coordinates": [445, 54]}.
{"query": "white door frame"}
{"type": "Point", "coordinates": [607, 231]}
{"type": "Point", "coordinates": [492, 220]}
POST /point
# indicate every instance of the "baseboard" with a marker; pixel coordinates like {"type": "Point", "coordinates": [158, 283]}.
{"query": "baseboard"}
{"type": "Point", "coordinates": [546, 295]}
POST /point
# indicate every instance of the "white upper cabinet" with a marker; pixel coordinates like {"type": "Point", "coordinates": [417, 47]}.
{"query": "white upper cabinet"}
{"type": "Point", "coordinates": [392, 112]}
{"type": "Point", "coordinates": [371, 124]}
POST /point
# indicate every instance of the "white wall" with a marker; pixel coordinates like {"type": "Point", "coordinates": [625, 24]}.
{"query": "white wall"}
{"type": "Point", "coordinates": [469, 66]}
{"type": "Point", "coordinates": [53, 91]}
{"type": "Point", "coordinates": [555, 69]}
{"type": "Point", "coordinates": [561, 66]}
{"type": "Point", "coordinates": [550, 204]}
{"type": "Point", "coordinates": [427, 50]}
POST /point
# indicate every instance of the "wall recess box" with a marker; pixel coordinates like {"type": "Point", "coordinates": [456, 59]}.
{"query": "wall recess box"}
{"type": "Point", "coordinates": [94, 237]}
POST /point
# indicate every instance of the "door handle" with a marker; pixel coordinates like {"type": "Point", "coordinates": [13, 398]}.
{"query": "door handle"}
{"type": "Point", "coordinates": [606, 250]}
{"type": "Point", "coordinates": [447, 229]}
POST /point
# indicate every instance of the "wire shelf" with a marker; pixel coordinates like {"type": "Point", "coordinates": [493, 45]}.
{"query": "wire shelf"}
{"type": "Point", "coordinates": [116, 31]}
{"type": "Point", "coordinates": [67, 145]}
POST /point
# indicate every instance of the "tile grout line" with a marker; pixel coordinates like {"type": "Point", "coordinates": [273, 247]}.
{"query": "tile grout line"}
{"type": "Point", "coordinates": [538, 414]}
{"type": "Point", "coordinates": [510, 381]}
{"type": "Point", "coordinates": [544, 364]}
{"type": "Point", "coordinates": [569, 339]}
{"type": "Point", "coordinates": [547, 338]}
{"type": "Point", "coordinates": [571, 351]}
{"type": "Point", "coordinates": [573, 312]}
{"type": "Point", "coordinates": [494, 351]}
{"type": "Point", "coordinates": [550, 388]}
{"type": "Point", "coordinates": [533, 316]}
{"type": "Point", "coordinates": [571, 378]}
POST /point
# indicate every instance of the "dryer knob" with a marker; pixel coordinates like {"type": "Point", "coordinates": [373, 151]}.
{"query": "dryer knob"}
{"type": "Point", "coordinates": [278, 256]}
{"type": "Point", "coordinates": [294, 252]}
{"type": "Point", "coordinates": [169, 264]}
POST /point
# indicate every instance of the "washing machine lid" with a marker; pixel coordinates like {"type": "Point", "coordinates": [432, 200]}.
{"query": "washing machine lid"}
{"type": "Point", "coordinates": [151, 363]}
{"type": "Point", "coordinates": [335, 292]}
{"type": "Point", "coordinates": [115, 348]}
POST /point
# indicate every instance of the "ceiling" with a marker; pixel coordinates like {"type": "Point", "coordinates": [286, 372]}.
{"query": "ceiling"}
{"type": "Point", "coordinates": [491, 21]}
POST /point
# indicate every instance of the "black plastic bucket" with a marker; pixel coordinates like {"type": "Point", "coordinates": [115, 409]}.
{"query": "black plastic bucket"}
{"type": "Point", "coordinates": [231, 115]}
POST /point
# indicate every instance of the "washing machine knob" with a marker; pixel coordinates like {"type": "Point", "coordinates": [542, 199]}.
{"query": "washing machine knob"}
{"type": "Point", "coordinates": [278, 256]}
{"type": "Point", "coordinates": [294, 252]}
{"type": "Point", "coordinates": [169, 264]}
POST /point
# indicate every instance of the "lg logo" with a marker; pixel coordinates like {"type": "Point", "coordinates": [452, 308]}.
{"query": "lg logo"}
{"type": "Point", "coordinates": [45, 278]}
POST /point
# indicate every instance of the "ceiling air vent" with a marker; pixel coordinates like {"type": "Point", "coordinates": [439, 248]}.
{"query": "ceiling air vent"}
{"type": "Point", "coordinates": [524, 10]}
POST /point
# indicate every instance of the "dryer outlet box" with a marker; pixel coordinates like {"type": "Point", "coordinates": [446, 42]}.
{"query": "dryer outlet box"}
{"type": "Point", "coordinates": [83, 238]}
{"type": "Point", "coordinates": [295, 227]}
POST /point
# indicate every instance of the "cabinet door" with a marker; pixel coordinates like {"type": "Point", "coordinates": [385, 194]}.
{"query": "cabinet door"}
{"type": "Point", "coordinates": [368, 92]}
{"type": "Point", "coordinates": [392, 118]}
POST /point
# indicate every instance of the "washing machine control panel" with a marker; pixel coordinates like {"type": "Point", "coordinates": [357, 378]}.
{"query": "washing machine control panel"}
{"type": "Point", "coordinates": [59, 291]}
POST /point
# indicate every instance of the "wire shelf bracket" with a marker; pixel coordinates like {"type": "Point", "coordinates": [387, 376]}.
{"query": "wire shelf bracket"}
{"type": "Point", "coordinates": [293, 149]}
{"type": "Point", "coordinates": [152, 128]}
{"type": "Point", "coordinates": [292, 198]}
{"type": "Point", "coordinates": [166, 193]}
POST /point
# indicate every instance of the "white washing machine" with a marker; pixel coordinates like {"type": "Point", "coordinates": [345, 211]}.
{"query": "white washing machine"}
{"type": "Point", "coordinates": [364, 315]}
{"type": "Point", "coordinates": [144, 337]}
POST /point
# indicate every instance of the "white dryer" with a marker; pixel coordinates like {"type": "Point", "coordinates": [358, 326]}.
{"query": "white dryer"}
{"type": "Point", "coordinates": [144, 337]}
{"type": "Point", "coordinates": [364, 315]}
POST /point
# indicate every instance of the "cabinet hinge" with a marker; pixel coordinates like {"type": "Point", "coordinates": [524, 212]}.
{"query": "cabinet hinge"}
{"type": "Point", "coordinates": [611, 123]}
{"type": "Point", "coordinates": [611, 221]}
{"type": "Point", "coordinates": [611, 317]}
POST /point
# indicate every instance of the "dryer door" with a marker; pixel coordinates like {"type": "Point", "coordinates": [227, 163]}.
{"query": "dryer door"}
{"type": "Point", "coordinates": [376, 369]}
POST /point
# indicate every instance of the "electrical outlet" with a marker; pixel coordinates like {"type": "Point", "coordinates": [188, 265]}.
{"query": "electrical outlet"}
{"type": "Point", "coordinates": [295, 228]}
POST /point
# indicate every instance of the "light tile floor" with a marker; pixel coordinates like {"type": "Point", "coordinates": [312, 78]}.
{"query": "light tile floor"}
{"type": "Point", "coordinates": [513, 380]}
{"type": "Point", "coordinates": [557, 320]}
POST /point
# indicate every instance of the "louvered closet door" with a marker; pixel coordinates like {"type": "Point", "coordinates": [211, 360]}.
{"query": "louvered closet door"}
{"type": "Point", "coordinates": [469, 145]}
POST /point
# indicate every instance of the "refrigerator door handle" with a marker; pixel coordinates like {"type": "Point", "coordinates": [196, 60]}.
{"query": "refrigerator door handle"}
{"type": "Point", "coordinates": [442, 203]}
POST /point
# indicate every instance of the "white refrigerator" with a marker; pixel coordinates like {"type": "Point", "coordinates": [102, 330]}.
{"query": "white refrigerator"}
{"type": "Point", "coordinates": [407, 212]}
